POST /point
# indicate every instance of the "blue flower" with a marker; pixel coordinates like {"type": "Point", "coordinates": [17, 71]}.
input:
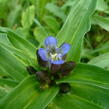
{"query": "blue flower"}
{"type": "Point", "coordinates": [52, 53]}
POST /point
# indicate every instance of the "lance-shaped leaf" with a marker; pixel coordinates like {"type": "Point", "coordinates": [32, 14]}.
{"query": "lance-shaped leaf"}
{"type": "Point", "coordinates": [28, 17]}
{"type": "Point", "coordinates": [102, 6]}
{"type": "Point", "coordinates": [7, 82]}
{"type": "Point", "coordinates": [28, 95]}
{"type": "Point", "coordinates": [19, 42]}
{"type": "Point", "coordinates": [57, 11]}
{"type": "Point", "coordinates": [18, 46]}
{"type": "Point", "coordinates": [76, 25]}
{"type": "Point", "coordinates": [103, 22]}
{"type": "Point", "coordinates": [101, 60]}
{"type": "Point", "coordinates": [12, 65]}
{"type": "Point", "coordinates": [6, 85]}
{"type": "Point", "coordinates": [40, 8]}
{"type": "Point", "coordinates": [90, 88]}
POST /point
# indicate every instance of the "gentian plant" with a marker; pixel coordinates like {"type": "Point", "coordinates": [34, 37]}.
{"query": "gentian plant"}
{"type": "Point", "coordinates": [52, 59]}
{"type": "Point", "coordinates": [46, 72]}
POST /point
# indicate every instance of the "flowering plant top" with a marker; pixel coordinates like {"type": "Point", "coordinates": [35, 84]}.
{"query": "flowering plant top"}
{"type": "Point", "coordinates": [52, 54]}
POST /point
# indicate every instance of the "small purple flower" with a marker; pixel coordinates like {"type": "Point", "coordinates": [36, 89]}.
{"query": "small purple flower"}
{"type": "Point", "coordinates": [52, 54]}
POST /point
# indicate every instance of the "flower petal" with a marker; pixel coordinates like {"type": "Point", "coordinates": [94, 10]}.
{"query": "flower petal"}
{"type": "Point", "coordinates": [63, 49]}
{"type": "Point", "coordinates": [58, 62]}
{"type": "Point", "coordinates": [43, 54]}
{"type": "Point", "coordinates": [50, 42]}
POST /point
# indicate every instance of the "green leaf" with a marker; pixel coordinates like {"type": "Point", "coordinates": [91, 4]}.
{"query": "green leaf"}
{"type": "Point", "coordinates": [11, 64]}
{"type": "Point", "coordinates": [13, 16]}
{"type": "Point", "coordinates": [90, 88]}
{"type": "Point", "coordinates": [3, 72]}
{"type": "Point", "coordinates": [75, 27]}
{"type": "Point", "coordinates": [57, 11]}
{"type": "Point", "coordinates": [72, 100]}
{"type": "Point", "coordinates": [4, 39]}
{"type": "Point", "coordinates": [101, 61]}
{"type": "Point", "coordinates": [52, 23]}
{"type": "Point", "coordinates": [8, 82]}
{"type": "Point", "coordinates": [40, 34]}
{"type": "Point", "coordinates": [40, 8]}
{"type": "Point", "coordinates": [68, 4]}
{"type": "Point", "coordinates": [3, 8]}
{"type": "Point", "coordinates": [89, 74]}
{"type": "Point", "coordinates": [44, 98]}
{"type": "Point", "coordinates": [101, 5]}
{"type": "Point", "coordinates": [102, 48]}
{"type": "Point", "coordinates": [13, 39]}
{"type": "Point", "coordinates": [27, 95]}
{"type": "Point", "coordinates": [3, 92]}
{"type": "Point", "coordinates": [103, 22]}
{"type": "Point", "coordinates": [23, 56]}
{"type": "Point", "coordinates": [28, 17]}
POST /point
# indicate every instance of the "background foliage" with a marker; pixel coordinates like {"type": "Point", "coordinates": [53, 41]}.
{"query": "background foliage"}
{"type": "Point", "coordinates": [24, 24]}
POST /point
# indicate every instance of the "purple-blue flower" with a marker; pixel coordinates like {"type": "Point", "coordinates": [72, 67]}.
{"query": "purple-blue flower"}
{"type": "Point", "coordinates": [52, 53]}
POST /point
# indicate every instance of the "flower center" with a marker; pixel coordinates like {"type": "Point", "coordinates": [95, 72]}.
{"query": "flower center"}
{"type": "Point", "coordinates": [55, 56]}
